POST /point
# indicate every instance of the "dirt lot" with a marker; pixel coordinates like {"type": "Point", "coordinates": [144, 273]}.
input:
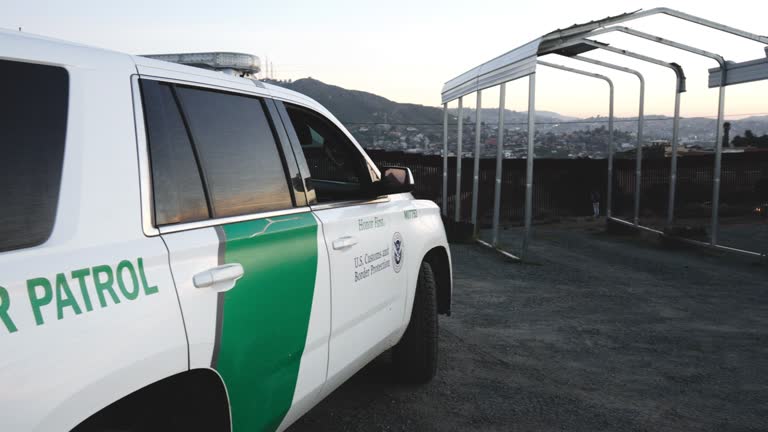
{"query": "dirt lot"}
{"type": "Point", "coordinates": [600, 333]}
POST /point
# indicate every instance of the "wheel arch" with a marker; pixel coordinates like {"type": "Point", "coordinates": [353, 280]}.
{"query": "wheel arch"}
{"type": "Point", "coordinates": [191, 400]}
{"type": "Point", "coordinates": [440, 261]}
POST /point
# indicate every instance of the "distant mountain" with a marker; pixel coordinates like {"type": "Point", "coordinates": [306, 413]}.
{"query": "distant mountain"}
{"type": "Point", "coordinates": [757, 124]}
{"type": "Point", "coordinates": [491, 116]}
{"type": "Point", "coordinates": [763, 118]}
{"type": "Point", "coordinates": [660, 127]}
{"type": "Point", "coordinates": [354, 107]}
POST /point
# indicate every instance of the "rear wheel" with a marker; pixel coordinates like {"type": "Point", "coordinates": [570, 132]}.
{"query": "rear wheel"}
{"type": "Point", "coordinates": [415, 356]}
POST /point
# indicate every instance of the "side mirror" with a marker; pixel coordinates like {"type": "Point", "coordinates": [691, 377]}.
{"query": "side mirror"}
{"type": "Point", "coordinates": [394, 180]}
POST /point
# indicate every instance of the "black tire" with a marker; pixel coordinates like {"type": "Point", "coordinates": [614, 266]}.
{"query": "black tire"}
{"type": "Point", "coordinates": [415, 356]}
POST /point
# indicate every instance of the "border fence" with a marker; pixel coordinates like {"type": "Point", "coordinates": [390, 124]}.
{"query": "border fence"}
{"type": "Point", "coordinates": [563, 186]}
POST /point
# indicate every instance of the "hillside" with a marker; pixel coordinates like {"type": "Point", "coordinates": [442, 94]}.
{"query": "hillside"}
{"type": "Point", "coordinates": [359, 108]}
{"type": "Point", "coordinates": [354, 106]}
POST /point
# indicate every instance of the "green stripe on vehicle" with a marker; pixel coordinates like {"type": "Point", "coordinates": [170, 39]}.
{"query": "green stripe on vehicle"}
{"type": "Point", "coordinates": [266, 316]}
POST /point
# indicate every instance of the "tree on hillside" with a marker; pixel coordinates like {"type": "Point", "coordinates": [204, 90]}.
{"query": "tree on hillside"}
{"type": "Point", "coordinates": [739, 141]}
{"type": "Point", "coordinates": [750, 140]}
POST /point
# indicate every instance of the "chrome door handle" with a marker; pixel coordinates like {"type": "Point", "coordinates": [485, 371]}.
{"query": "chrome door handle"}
{"type": "Point", "coordinates": [344, 242]}
{"type": "Point", "coordinates": [220, 279]}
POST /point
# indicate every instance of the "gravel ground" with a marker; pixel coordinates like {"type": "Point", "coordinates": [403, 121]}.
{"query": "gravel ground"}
{"type": "Point", "coordinates": [597, 333]}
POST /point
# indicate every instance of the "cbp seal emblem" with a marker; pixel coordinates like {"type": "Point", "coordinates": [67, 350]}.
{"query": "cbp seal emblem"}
{"type": "Point", "coordinates": [397, 252]}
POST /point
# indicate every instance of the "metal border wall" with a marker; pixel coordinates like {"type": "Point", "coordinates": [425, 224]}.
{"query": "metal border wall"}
{"type": "Point", "coordinates": [572, 42]}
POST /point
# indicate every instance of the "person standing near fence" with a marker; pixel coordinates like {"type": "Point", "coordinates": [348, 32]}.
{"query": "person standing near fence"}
{"type": "Point", "coordinates": [595, 197]}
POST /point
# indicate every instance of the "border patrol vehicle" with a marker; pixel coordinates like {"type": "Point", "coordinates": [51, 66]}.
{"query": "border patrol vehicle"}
{"type": "Point", "coordinates": [185, 248]}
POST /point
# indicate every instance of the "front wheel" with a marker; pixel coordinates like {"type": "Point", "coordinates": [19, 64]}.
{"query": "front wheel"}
{"type": "Point", "coordinates": [415, 356]}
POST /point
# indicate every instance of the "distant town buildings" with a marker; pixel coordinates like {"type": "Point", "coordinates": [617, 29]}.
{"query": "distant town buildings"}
{"type": "Point", "coordinates": [591, 142]}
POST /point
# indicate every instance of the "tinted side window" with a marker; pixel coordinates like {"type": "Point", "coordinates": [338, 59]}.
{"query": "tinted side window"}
{"type": "Point", "coordinates": [238, 152]}
{"type": "Point", "coordinates": [177, 189]}
{"type": "Point", "coordinates": [329, 153]}
{"type": "Point", "coordinates": [33, 124]}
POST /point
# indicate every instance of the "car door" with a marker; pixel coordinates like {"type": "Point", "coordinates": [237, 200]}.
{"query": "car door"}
{"type": "Point", "coordinates": [247, 255]}
{"type": "Point", "coordinates": [364, 236]}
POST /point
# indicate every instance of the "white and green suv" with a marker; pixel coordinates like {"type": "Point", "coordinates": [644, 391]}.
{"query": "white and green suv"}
{"type": "Point", "coordinates": [184, 248]}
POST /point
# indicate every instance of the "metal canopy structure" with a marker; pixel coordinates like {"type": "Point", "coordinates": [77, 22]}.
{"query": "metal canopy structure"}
{"type": "Point", "coordinates": [573, 42]}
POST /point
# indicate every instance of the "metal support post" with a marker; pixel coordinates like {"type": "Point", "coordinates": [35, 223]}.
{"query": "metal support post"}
{"type": "Point", "coordinates": [445, 160]}
{"type": "Point", "coordinates": [457, 206]}
{"type": "Point", "coordinates": [529, 163]}
{"type": "Point", "coordinates": [639, 155]}
{"type": "Point", "coordinates": [476, 170]}
{"type": "Point", "coordinates": [718, 161]}
{"type": "Point", "coordinates": [673, 163]}
{"type": "Point", "coordinates": [499, 154]}
{"type": "Point", "coordinates": [609, 193]}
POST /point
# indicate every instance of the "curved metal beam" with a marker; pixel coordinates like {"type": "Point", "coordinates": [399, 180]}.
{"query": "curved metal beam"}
{"type": "Point", "coordinates": [582, 29]}
{"type": "Point", "coordinates": [609, 65]}
{"type": "Point", "coordinates": [578, 71]}
{"type": "Point", "coordinates": [675, 130]}
{"type": "Point", "coordinates": [676, 119]}
{"type": "Point", "coordinates": [610, 115]}
{"type": "Point", "coordinates": [653, 38]}
{"type": "Point", "coordinates": [703, 22]}
{"type": "Point", "coordinates": [640, 121]}
{"type": "Point", "coordinates": [674, 66]}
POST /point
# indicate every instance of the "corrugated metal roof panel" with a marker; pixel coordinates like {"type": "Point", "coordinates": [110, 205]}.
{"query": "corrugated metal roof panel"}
{"type": "Point", "coordinates": [510, 66]}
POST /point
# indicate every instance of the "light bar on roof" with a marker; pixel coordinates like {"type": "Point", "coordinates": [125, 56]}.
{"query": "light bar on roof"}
{"type": "Point", "coordinates": [244, 63]}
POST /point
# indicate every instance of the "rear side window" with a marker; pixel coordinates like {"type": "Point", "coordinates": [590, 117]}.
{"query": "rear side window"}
{"type": "Point", "coordinates": [178, 190]}
{"type": "Point", "coordinates": [212, 154]}
{"type": "Point", "coordinates": [238, 152]}
{"type": "Point", "coordinates": [33, 124]}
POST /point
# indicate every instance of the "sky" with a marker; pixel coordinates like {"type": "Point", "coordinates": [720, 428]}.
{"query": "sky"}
{"type": "Point", "coordinates": [406, 50]}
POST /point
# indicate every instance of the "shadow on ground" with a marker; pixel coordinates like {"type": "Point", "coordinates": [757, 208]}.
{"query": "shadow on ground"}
{"type": "Point", "coordinates": [605, 333]}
